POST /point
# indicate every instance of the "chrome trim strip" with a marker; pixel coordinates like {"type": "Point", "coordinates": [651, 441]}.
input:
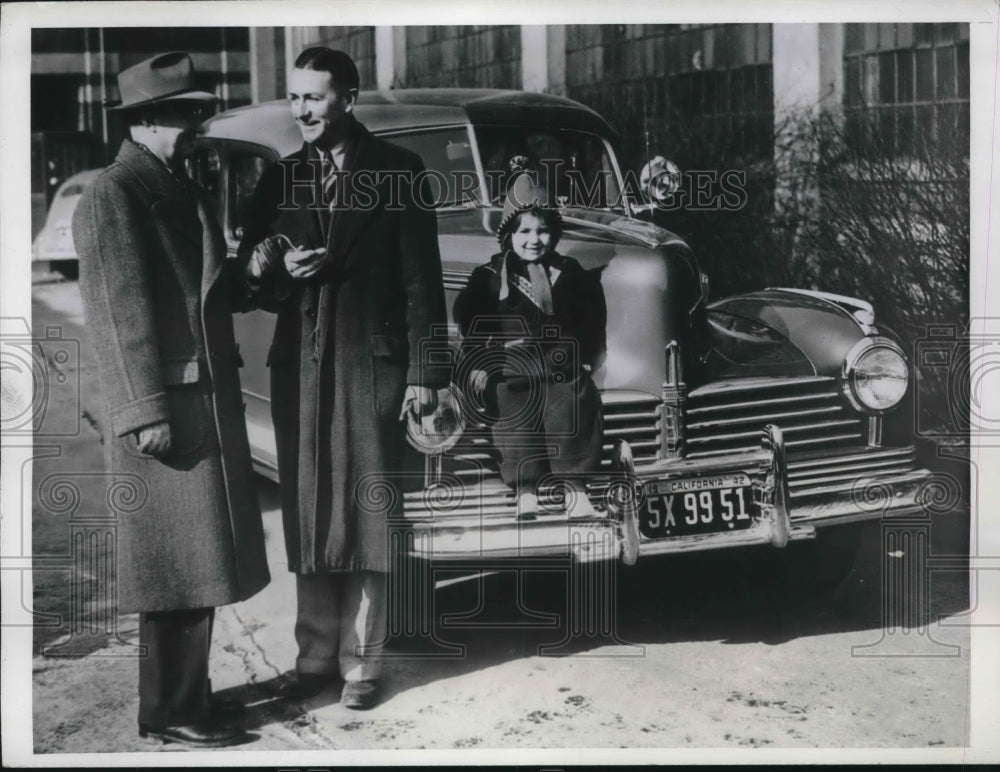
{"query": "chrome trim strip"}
{"type": "Point", "coordinates": [732, 387]}
{"type": "Point", "coordinates": [627, 431]}
{"type": "Point", "coordinates": [862, 455]}
{"type": "Point", "coordinates": [636, 444]}
{"type": "Point", "coordinates": [856, 486]}
{"type": "Point", "coordinates": [840, 301]}
{"type": "Point", "coordinates": [875, 431]}
{"type": "Point", "coordinates": [831, 478]}
{"type": "Point", "coordinates": [761, 403]}
{"type": "Point", "coordinates": [721, 422]}
{"type": "Point", "coordinates": [627, 397]}
{"type": "Point", "coordinates": [653, 416]}
{"type": "Point", "coordinates": [606, 462]}
{"type": "Point", "coordinates": [788, 429]}
{"type": "Point", "coordinates": [858, 465]}
{"type": "Point", "coordinates": [788, 444]}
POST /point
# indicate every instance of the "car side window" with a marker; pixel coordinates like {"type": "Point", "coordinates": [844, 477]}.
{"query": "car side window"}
{"type": "Point", "coordinates": [204, 168]}
{"type": "Point", "coordinates": [447, 156]}
{"type": "Point", "coordinates": [245, 170]}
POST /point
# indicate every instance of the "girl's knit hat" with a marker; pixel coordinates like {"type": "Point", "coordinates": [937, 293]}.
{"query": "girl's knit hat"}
{"type": "Point", "coordinates": [524, 193]}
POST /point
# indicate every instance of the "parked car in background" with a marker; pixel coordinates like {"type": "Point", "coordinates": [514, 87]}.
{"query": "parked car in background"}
{"type": "Point", "coordinates": [767, 418]}
{"type": "Point", "coordinates": [54, 243]}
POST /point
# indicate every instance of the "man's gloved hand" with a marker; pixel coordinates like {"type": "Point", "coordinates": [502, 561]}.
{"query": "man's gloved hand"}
{"type": "Point", "coordinates": [418, 402]}
{"type": "Point", "coordinates": [154, 439]}
{"type": "Point", "coordinates": [303, 263]}
{"type": "Point", "coordinates": [478, 380]}
{"type": "Point", "coordinates": [270, 252]}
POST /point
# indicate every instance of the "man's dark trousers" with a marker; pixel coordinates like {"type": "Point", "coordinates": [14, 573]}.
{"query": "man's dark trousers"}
{"type": "Point", "coordinates": [174, 670]}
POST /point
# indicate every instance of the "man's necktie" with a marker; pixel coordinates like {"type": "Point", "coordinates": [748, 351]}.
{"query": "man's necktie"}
{"type": "Point", "coordinates": [329, 178]}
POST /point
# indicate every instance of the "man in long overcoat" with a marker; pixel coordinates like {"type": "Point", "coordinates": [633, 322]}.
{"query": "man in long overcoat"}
{"type": "Point", "coordinates": [349, 261]}
{"type": "Point", "coordinates": [158, 295]}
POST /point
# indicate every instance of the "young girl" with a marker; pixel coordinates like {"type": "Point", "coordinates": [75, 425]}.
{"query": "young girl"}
{"type": "Point", "coordinates": [533, 322]}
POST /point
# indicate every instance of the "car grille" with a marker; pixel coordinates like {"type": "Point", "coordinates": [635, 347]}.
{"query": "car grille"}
{"type": "Point", "coordinates": [634, 417]}
{"type": "Point", "coordinates": [827, 453]}
{"type": "Point", "coordinates": [823, 474]}
{"type": "Point", "coordinates": [727, 417]}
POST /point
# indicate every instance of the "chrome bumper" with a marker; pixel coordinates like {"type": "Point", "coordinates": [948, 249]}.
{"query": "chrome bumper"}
{"type": "Point", "coordinates": [825, 491]}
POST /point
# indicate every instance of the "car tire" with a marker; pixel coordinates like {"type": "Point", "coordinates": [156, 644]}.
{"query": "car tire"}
{"type": "Point", "coordinates": [813, 571]}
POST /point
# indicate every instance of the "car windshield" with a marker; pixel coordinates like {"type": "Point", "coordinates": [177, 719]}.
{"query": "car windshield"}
{"type": "Point", "coordinates": [575, 165]}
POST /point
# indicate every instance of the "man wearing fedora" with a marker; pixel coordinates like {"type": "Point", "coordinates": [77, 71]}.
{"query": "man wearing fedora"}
{"type": "Point", "coordinates": [358, 293]}
{"type": "Point", "coordinates": [158, 295]}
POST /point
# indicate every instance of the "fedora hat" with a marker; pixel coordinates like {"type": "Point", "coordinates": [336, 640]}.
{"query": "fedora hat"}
{"type": "Point", "coordinates": [159, 79]}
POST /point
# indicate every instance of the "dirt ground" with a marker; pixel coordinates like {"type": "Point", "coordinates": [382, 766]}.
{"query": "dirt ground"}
{"type": "Point", "coordinates": [702, 651]}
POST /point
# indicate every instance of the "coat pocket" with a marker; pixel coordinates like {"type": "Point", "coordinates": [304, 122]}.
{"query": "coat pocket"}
{"type": "Point", "coordinates": [190, 423]}
{"type": "Point", "coordinates": [389, 364]}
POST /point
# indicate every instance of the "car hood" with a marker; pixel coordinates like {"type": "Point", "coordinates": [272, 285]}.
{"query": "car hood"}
{"type": "Point", "coordinates": [808, 333]}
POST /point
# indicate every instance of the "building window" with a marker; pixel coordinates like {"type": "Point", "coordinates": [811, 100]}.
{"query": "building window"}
{"type": "Point", "coordinates": [906, 87]}
{"type": "Point", "coordinates": [469, 56]}
{"type": "Point", "coordinates": [666, 81]}
{"type": "Point", "coordinates": [357, 42]}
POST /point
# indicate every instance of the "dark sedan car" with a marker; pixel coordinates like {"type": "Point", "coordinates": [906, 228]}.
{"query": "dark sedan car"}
{"type": "Point", "coordinates": [762, 419]}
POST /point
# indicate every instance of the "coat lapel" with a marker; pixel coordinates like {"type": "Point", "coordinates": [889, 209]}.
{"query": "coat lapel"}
{"type": "Point", "coordinates": [213, 245]}
{"type": "Point", "coordinates": [302, 188]}
{"type": "Point", "coordinates": [168, 196]}
{"type": "Point", "coordinates": [349, 222]}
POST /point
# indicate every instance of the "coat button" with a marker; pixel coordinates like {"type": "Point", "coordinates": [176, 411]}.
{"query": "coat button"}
{"type": "Point", "coordinates": [311, 313]}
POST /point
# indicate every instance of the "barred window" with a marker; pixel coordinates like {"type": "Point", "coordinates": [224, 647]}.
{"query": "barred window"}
{"type": "Point", "coordinates": [468, 56]}
{"type": "Point", "coordinates": [906, 86]}
{"type": "Point", "coordinates": [710, 81]}
{"type": "Point", "coordinates": [358, 43]}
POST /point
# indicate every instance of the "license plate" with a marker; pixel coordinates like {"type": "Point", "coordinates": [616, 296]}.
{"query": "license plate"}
{"type": "Point", "coordinates": [696, 505]}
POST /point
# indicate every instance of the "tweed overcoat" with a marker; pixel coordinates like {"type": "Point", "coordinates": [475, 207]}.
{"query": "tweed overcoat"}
{"type": "Point", "coordinates": [158, 295]}
{"type": "Point", "coordinates": [346, 343]}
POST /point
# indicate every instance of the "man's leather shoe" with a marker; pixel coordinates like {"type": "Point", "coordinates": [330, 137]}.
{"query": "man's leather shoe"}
{"type": "Point", "coordinates": [205, 734]}
{"type": "Point", "coordinates": [302, 686]}
{"type": "Point", "coordinates": [360, 695]}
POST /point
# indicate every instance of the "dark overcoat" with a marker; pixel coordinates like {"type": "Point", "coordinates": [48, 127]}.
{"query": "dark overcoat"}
{"type": "Point", "coordinates": [548, 410]}
{"type": "Point", "coordinates": [346, 343]}
{"type": "Point", "coordinates": [158, 295]}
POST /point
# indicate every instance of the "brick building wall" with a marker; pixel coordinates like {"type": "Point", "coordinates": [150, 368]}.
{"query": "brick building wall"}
{"type": "Point", "coordinates": [463, 56]}
{"type": "Point", "coordinates": [358, 42]}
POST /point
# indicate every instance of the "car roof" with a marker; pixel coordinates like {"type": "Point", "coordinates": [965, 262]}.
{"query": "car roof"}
{"type": "Point", "coordinates": [270, 123]}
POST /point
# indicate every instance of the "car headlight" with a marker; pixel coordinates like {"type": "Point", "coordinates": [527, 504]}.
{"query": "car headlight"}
{"type": "Point", "coordinates": [875, 375]}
